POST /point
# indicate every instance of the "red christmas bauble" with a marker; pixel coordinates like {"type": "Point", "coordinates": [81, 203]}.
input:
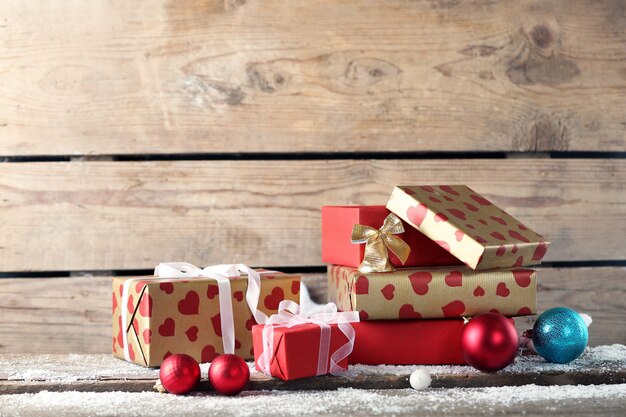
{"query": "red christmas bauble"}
{"type": "Point", "coordinates": [229, 374]}
{"type": "Point", "coordinates": [489, 342]}
{"type": "Point", "coordinates": [179, 373]}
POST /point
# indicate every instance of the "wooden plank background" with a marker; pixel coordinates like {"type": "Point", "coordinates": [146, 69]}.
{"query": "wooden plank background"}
{"type": "Point", "coordinates": [180, 76]}
{"type": "Point", "coordinates": [212, 131]}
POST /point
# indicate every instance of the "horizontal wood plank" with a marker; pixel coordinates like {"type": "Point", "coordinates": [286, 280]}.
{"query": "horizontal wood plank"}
{"type": "Point", "coordinates": [219, 76]}
{"type": "Point", "coordinates": [132, 215]}
{"type": "Point", "coordinates": [55, 315]}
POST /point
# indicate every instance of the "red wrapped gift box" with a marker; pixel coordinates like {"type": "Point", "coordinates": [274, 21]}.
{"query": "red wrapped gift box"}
{"type": "Point", "coordinates": [296, 349]}
{"type": "Point", "coordinates": [408, 342]}
{"type": "Point", "coordinates": [337, 223]}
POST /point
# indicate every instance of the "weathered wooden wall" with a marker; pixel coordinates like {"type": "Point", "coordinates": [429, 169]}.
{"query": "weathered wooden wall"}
{"type": "Point", "coordinates": [213, 130]}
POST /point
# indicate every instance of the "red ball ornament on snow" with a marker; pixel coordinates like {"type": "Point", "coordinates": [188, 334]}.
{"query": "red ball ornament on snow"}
{"type": "Point", "coordinates": [179, 373]}
{"type": "Point", "coordinates": [489, 342]}
{"type": "Point", "coordinates": [229, 374]}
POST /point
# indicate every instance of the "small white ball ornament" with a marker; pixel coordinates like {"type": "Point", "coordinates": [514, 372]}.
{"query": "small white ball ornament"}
{"type": "Point", "coordinates": [420, 379]}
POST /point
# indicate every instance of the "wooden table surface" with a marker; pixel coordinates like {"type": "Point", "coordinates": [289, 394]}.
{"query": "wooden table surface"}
{"type": "Point", "coordinates": [65, 384]}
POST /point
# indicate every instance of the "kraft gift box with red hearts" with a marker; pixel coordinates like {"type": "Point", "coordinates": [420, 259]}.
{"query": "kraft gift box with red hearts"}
{"type": "Point", "coordinates": [164, 315]}
{"type": "Point", "coordinates": [468, 225]}
{"type": "Point", "coordinates": [435, 292]}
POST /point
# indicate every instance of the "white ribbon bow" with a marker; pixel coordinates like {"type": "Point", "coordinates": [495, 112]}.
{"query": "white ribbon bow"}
{"type": "Point", "coordinates": [290, 314]}
{"type": "Point", "coordinates": [220, 273]}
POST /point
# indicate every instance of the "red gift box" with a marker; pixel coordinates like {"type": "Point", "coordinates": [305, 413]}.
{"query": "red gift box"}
{"type": "Point", "coordinates": [337, 248]}
{"type": "Point", "coordinates": [408, 342]}
{"type": "Point", "coordinates": [296, 349]}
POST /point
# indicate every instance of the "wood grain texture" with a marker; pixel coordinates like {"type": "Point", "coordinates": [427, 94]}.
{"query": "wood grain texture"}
{"type": "Point", "coordinates": [132, 215]}
{"type": "Point", "coordinates": [60, 315]}
{"type": "Point", "coordinates": [169, 76]}
{"type": "Point", "coordinates": [326, 383]}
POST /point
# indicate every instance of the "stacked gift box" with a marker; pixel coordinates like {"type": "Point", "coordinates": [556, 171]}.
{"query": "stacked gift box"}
{"type": "Point", "coordinates": [402, 279]}
{"type": "Point", "coordinates": [415, 268]}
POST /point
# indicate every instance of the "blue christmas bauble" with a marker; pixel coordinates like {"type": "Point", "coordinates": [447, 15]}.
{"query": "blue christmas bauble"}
{"type": "Point", "coordinates": [560, 335]}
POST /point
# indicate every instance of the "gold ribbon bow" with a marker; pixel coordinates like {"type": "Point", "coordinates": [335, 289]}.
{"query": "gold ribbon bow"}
{"type": "Point", "coordinates": [377, 242]}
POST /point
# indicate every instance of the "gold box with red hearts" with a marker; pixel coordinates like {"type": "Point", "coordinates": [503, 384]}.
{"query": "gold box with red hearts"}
{"type": "Point", "coordinates": [434, 292]}
{"type": "Point", "coordinates": [172, 315]}
{"type": "Point", "coordinates": [468, 226]}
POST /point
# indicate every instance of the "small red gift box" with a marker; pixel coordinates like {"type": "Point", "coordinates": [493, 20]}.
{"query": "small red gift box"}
{"type": "Point", "coordinates": [337, 248]}
{"type": "Point", "coordinates": [296, 350]}
{"type": "Point", "coordinates": [408, 342]}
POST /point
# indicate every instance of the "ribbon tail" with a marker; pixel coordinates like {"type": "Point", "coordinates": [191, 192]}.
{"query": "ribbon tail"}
{"type": "Point", "coordinates": [343, 352]}
{"type": "Point", "coordinates": [398, 247]}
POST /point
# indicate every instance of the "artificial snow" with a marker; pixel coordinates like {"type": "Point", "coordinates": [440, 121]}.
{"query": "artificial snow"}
{"type": "Point", "coordinates": [491, 401]}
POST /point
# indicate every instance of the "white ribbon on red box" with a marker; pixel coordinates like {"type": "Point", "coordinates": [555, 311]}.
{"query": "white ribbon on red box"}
{"type": "Point", "coordinates": [222, 274]}
{"type": "Point", "coordinates": [290, 314]}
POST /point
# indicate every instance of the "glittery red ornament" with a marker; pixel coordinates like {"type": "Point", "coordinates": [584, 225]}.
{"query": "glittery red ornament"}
{"type": "Point", "coordinates": [489, 342]}
{"type": "Point", "coordinates": [179, 373]}
{"type": "Point", "coordinates": [229, 374]}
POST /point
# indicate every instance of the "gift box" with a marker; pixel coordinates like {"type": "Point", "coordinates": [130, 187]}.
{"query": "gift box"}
{"type": "Point", "coordinates": [337, 224]}
{"type": "Point", "coordinates": [468, 226]}
{"type": "Point", "coordinates": [295, 352]}
{"type": "Point", "coordinates": [436, 292]}
{"type": "Point", "coordinates": [184, 315]}
{"type": "Point", "coordinates": [408, 342]}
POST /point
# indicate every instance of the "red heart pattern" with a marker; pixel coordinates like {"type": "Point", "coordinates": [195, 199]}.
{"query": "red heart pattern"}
{"type": "Point", "coordinates": [524, 311]}
{"type": "Point", "coordinates": [417, 214]}
{"type": "Point", "coordinates": [454, 279]}
{"type": "Point", "coordinates": [419, 282]}
{"type": "Point", "coordinates": [457, 213]}
{"type": "Point", "coordinates": [449, 190]}
{"type": "Point", "coordinates": [167, 329]}
{"type": "Point", "coordinates": [250, 322]}
{"type": "Point", "coordinates": [516, 235]}
{"type": "Point", "coordinates": [147, 335]}
{"type": "Point", "coordinates": [216, 322]}
{"type": "Point", "coordinates": [362, 285]}
{"type": "Point", "coordinates": [271, 301]}
{"type": "Point", "coordinates": [208, 354]}
{"type": "Point", "coordinates": [295, 287]}
{"type": "Point", "coordinates": [139, 286]}
{"type": "Point", "coordinates": [459, 235]}
{"type": "Point", "coordinates": [114, 303]}
{"type": "Point", "coordinates": [502, 290]}
{"type": "Point", "coordinates": [480, 200]}
{"type": "Point", "coordinates": [192, 333]}
{"type": "Point", "coordinates": [434, 199]}
{"type": "Point", "coordinates": [363, 315]}
{"type": "Point", "coordinates": [388, 291]}
{"type": "Point", "coordinates": [471, 207]}
{"type": "Point", "coordinates": [479, 291]}
{"type": "Point", "coordinates": [497, 235]}
{"type": "Point", "coordinates": [145, 305]}
{"type": "Point", "coordinates": [238, 295]}
{"type": "Point", "coordinates": [522, 277]}
{"type": "Point", "coordinates": [190, 304]}
{"type": "Point", "coordinates": [454, 309]}
{"type": "Point", "coordinates": [408, 312]}
{"type": "Point", "coordinates": [427, 188]}
{"type": "Point", "coordinates": [501, 250]}
{"type": "Point", "coordinates": [440, 217]}
{"type": "Point", "coordinates": [519, 261]}
{"type": "Point", "coordinates": [540, 251]}
{"type": "Point", "coordinates": [212, 291]}
{"type": "Point", "coordinates": [167, 287]}
{"type": "Point", "coordinates": [499, 220]}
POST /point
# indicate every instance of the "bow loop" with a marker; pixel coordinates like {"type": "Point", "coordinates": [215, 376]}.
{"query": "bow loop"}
{"type": "Point", "coordinates": [379, 242]}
